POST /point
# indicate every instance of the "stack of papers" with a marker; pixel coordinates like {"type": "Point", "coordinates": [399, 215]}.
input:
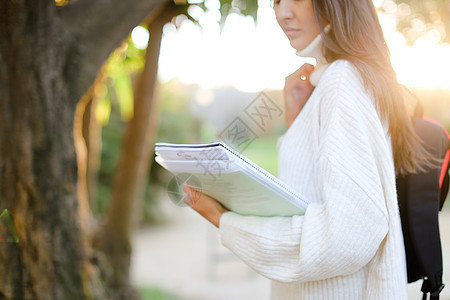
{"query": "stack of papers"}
{"type": "Point", "coordinates": [230, 178]}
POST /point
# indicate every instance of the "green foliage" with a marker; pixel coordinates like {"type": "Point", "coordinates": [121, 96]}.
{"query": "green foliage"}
{"type": "Point", "coordinates": [264, 153]}
{"type": "Point", "coordinates": [177, 125]}
{"type": "Point", "coordinates": [155, 293]}
{"type": "Point", "coordinates": [124, 92]}
{"type": "Point", "coordinates": [116, 83]}
{"type": "Point", "coordinates": [226, 7]}
{"type": "Point", "coordinates": [115, 107]}
{"type": "Point", "coordinates": [112, 134]}
{"type": "Point", "coordinates": [8, 233]}
{"type": "Point", "coordinates": [244, 7]}
{"type": "Point", "coordinates": [248, 8]}
{"type": "Point", "coordinates": [114, 95]}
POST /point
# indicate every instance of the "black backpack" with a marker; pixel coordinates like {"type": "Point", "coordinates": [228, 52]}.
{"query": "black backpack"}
{"type": "Point", "coordinates": [421, 196]}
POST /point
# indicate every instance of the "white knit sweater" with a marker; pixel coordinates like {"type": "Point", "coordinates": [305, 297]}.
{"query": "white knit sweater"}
{"type": "Point", "coordinates": [349, 244]}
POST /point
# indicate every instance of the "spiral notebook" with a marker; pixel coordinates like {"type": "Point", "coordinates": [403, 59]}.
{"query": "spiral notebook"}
{"type": "Point", "coordinates": [227, 176]}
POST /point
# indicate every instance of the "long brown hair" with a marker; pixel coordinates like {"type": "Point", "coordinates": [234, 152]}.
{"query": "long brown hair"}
{"type": "Point", "coordinates": [356, 36]}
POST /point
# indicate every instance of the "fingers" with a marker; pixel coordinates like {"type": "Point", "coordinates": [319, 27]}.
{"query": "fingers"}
{"type": "Point", "coordinates": [199, 201]}
{"type": "Point", "coordinates": [305, 70]}
{"type": "Point", "coordinates": [192, 195]}
{"type": "Point", "coordinates": [206, 206]}
{"type": "Point", "coordinates": [301, 76]}
{"type": "Point", "coordinates": [195, 198]}
{"type": "Point", "coordinates": [297, 90]}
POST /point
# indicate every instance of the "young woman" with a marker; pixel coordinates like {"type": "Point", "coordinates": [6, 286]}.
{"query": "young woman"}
{"type": "Point", "coordinates": [348, 134]}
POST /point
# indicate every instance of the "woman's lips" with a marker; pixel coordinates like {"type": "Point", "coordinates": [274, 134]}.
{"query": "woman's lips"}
{"type": "Point", "coordinates": [291, 32]}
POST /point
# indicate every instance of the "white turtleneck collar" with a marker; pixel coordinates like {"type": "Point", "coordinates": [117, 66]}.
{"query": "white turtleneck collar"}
{"type": "Point", "coordinates": [314, 50]}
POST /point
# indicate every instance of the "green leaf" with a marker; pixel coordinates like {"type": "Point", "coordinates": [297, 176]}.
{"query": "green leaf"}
{"type": "Point", "coordinates": [103, 110]}
{"type": "Point", "coordinates": [7, 230]}
{"type": "Point", "coordinates": [124, 92]}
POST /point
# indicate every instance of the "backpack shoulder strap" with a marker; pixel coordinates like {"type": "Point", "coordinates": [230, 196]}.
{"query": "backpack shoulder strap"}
{"type": "Point", "coordinates": [445, 140]}
{"type": "Point", "coordinates": [446, 147]}
{"type": "Point", "coordinates": [419, 196]}
{"type": "Point", "coordinates": [434, 295]}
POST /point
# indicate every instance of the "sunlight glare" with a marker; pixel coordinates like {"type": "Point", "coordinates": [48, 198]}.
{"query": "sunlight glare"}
{"type": "Point", "coordinates": [204, 97]}
{"type": "Point", "coordinates": [425, 64]}
{"type": "Point", "coordinates": [253, 57]}
{"type": "Point", "coordinates": [140, 37]}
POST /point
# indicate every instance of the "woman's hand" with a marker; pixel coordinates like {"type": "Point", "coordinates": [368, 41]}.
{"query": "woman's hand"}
{"type": "Point", "coordinates": [208, 207]}
{"type": "Point", "coordinates": [297, 89]}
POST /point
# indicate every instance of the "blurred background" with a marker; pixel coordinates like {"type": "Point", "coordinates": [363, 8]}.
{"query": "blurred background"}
{"type": "Point", "coordinates": [215, 60]}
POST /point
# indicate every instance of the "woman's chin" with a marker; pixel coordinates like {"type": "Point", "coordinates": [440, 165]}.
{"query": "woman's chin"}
{"type": "Point", "coordinates": [297, 45]}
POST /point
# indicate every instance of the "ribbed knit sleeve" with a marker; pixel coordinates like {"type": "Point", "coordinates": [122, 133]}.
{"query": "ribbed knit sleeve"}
{"type": "Point", "coordinates": [279, 141]}
{"type": "Point", "coordinates": [343, 229]}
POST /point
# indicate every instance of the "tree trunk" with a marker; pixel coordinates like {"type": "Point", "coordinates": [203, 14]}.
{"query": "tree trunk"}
{"type": "Point", "coordinates": [48, 59]}
{"type": "Point", "coordinates": [137, 150]}
{"type": "Point", "coordinates": [38, 162]}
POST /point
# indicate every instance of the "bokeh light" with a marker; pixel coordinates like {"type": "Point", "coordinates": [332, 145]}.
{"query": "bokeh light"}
{"type": "Point", "coordinates": [140, 36]}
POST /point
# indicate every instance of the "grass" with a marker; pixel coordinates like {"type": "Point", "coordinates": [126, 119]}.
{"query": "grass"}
{"type": "Point", "coordinates": [156, 293]}
{"type": "Point", "coordinates": [263, 152]}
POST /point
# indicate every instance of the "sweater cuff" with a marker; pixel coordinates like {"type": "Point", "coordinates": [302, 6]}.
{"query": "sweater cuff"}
{"type": "Point", "coordinates": [226, 231]}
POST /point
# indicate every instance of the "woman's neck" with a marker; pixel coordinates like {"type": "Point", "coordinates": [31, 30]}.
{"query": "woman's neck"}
{"type": "Point", "coordinates": [314, 50]}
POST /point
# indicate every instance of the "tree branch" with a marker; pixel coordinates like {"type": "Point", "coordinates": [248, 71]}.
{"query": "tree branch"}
{"type": "Point", "coordinates": [97, 28]}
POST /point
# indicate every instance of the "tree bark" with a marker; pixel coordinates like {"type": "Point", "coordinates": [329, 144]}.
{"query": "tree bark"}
{"type": "Point", "coordinates": [137, 150]}
{"type": "Point", "coordinates": [48, 59]}
{"type": "Point", "coordinates": [38, 162]}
